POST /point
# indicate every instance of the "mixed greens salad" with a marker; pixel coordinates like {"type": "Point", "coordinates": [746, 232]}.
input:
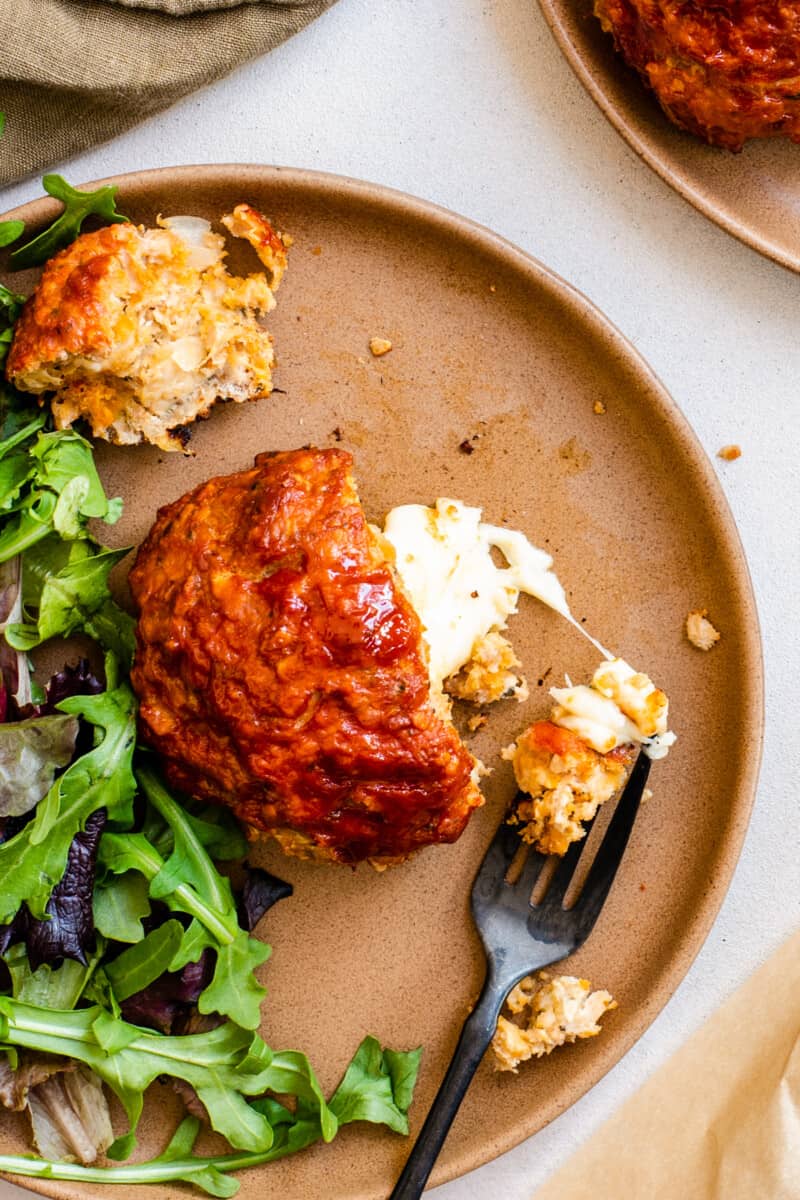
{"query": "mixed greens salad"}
{"type": "Point", "coordinates": [126, 955]}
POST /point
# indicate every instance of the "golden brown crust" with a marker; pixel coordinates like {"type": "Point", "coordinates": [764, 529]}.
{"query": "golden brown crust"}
{"type": "Point", "coordinates": [281, 671]}
{"type": "Point", "coordinates": [67, 314]}
{"type": "Point", "coordinates": [726, 71]}
{"type": "Point", "coordinates": [248, 223]}
{"type": "Point", "coordinates": [140, 331]}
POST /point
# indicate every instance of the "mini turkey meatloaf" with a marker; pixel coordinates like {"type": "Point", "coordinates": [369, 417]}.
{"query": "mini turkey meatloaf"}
{"type": "Point", "coordinates": [139, 331]}
{"type": "Point", "coordinates": [726, 71]}
{"type": "Point", "coordinates": [281, 670]}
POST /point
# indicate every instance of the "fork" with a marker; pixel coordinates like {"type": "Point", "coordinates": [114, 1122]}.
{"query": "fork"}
{"type": "Point", "coordinates": [519, 937]}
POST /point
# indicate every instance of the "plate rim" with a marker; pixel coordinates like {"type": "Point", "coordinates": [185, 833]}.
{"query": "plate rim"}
{"type": "Point", "coordinates": [704, 913]}
{"type": "Point", "coordinates": [552, 10]}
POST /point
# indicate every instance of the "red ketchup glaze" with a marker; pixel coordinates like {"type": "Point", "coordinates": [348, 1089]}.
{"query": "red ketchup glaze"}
{"type": "Point", "coordinates": [280, 670]}
{"type": "Point", "coordinates": [727, 71]}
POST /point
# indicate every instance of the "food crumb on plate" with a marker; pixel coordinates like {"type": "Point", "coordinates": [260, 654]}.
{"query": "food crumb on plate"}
{"type": "Point", "coordinates": [699, 630]}
{"type": "Point", "coordinates": [730, 453]}
{"type": "Point", "coordinates": [549, 1012]}
{"type": "Point", "coordinates": [477, 722]}
{"type": "Point", "coordinates": [379, 346]}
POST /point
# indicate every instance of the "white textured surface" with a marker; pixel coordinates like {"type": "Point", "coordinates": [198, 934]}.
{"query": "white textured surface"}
{"type": "Point", "coordinates": [469, 103]}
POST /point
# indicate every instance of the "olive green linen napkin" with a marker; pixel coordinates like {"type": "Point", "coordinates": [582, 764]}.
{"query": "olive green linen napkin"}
{"type": "Point", "coordinates": [74, 73]}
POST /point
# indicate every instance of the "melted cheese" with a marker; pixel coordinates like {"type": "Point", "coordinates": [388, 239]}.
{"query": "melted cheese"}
{"type": "Point", "coordinates": [443, 556]}
{"type": "Point", "coordinates": [444, 559]}
{"type": "Point", "coordinates": [621, 707]}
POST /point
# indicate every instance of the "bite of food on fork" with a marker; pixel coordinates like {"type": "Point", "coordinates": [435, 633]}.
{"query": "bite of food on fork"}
{"type": "Point", "coordinates": [520, 938]}
{"type": "Point", "coordinates": [599, 743]}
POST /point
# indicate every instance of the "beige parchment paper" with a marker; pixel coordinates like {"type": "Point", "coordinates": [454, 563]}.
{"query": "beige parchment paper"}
{"type": "Point", "coordinates": [720, 1120]}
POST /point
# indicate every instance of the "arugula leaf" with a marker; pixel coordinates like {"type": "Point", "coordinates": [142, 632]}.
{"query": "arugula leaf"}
{"type": "Point", "coordinates": [224, 1065]}
{"type": "Point", "coordinates": [78, 205]}
{"type": "Point", "coordinates": [69, 600]}
{"type": "Point", "coordinates": [33, 862]}
{"type": "Point", "coordinates": [10, 303]}
{"type": "Point", "coordinates": [62, 490]}
{"type": "Point", "coordinates": [187, 881]}
{"type": "Point", "coordinates": [290, 1071]}
{"type": "Point", "coordinates": [143, 962]}
{"type": "Point", "coordinates": [65, 456]}
{"type": "Point", "coordinates": [31, 524]}
{"type": "Point", "coordinates": [203, 1173]}
{"type": "Point", "coordinates": [120, 903]}
{"type": "Point", "coordinates": [15, 471]}
{"type": "Point", "coordinates": [113, 629]}
{"type": "Point", "coordinates": [218, 831]}
{"type": "Point", "coordinates": [189, 862]}
{"type": "Point", "coordinates": [377, 1086]}
{"type": "Point", "coordinates": [133, 852]}
{"type": "Point", "coordinates": [18, 427]}
{"type": "Point", "coordinates": [10, 231]}
{"type": "Point", "coordinates": [234, 990]}
{"type": "Point", "coordinates": [46, 558]}
{"type": "Point", "coordinates": [362, 1090]}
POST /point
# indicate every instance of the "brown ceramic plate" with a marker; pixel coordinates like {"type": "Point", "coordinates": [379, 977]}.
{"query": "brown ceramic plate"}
{"type": "Point", "coordinates": [754, 195]}
{"type": "Point", "coordinates": [489, 345]}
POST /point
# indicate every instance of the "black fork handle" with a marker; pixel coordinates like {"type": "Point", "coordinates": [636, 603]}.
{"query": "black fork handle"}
{"type": "Point", "coordinates": [472, 1045]}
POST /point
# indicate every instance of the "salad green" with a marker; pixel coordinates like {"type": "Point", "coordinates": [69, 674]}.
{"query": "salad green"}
{"type": "Point", "coordinates": [123, 947]}
{"type": "Point", "coordinates": [77, 207]}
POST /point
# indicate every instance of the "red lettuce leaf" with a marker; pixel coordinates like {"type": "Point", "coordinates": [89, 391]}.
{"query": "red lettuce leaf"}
{"type": "Point", "coordinates": [169, 1003]}
{"type": "Point", "coordinates": [69, 932]}
{"type": "Point", "coordinates": [259, 892]}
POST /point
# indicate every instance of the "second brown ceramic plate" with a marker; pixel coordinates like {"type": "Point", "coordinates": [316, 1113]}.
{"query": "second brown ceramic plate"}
{"type": "Point", "coordinates": [755, 195]}
{"type": "Point", "coordinates": [489, 347]}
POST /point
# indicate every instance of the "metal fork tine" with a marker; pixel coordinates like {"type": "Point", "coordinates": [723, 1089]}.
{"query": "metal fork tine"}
{"type": "Point", "coordinates": [526, 881]}
{"type": "Point", "coordinates": [496, 862]}
{"type": "Point", "coordinates": [604, 868]}
{"type": "Point", "coordinates": [566, 869]}
{"type": "Point", "coordinates": [519, 938]}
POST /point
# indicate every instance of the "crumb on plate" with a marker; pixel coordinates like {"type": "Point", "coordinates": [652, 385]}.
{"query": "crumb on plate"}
{"type": "Point", "coordinates": [379, 346]}
{"type": "Point", "coordinates": [730, 453]}
{"type": "Point", "coordinates": [477, 722]}
{"type": "Point", "coordinates": [699, 630]}
{"type": "Point", "coordinates": [549, 1012]}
